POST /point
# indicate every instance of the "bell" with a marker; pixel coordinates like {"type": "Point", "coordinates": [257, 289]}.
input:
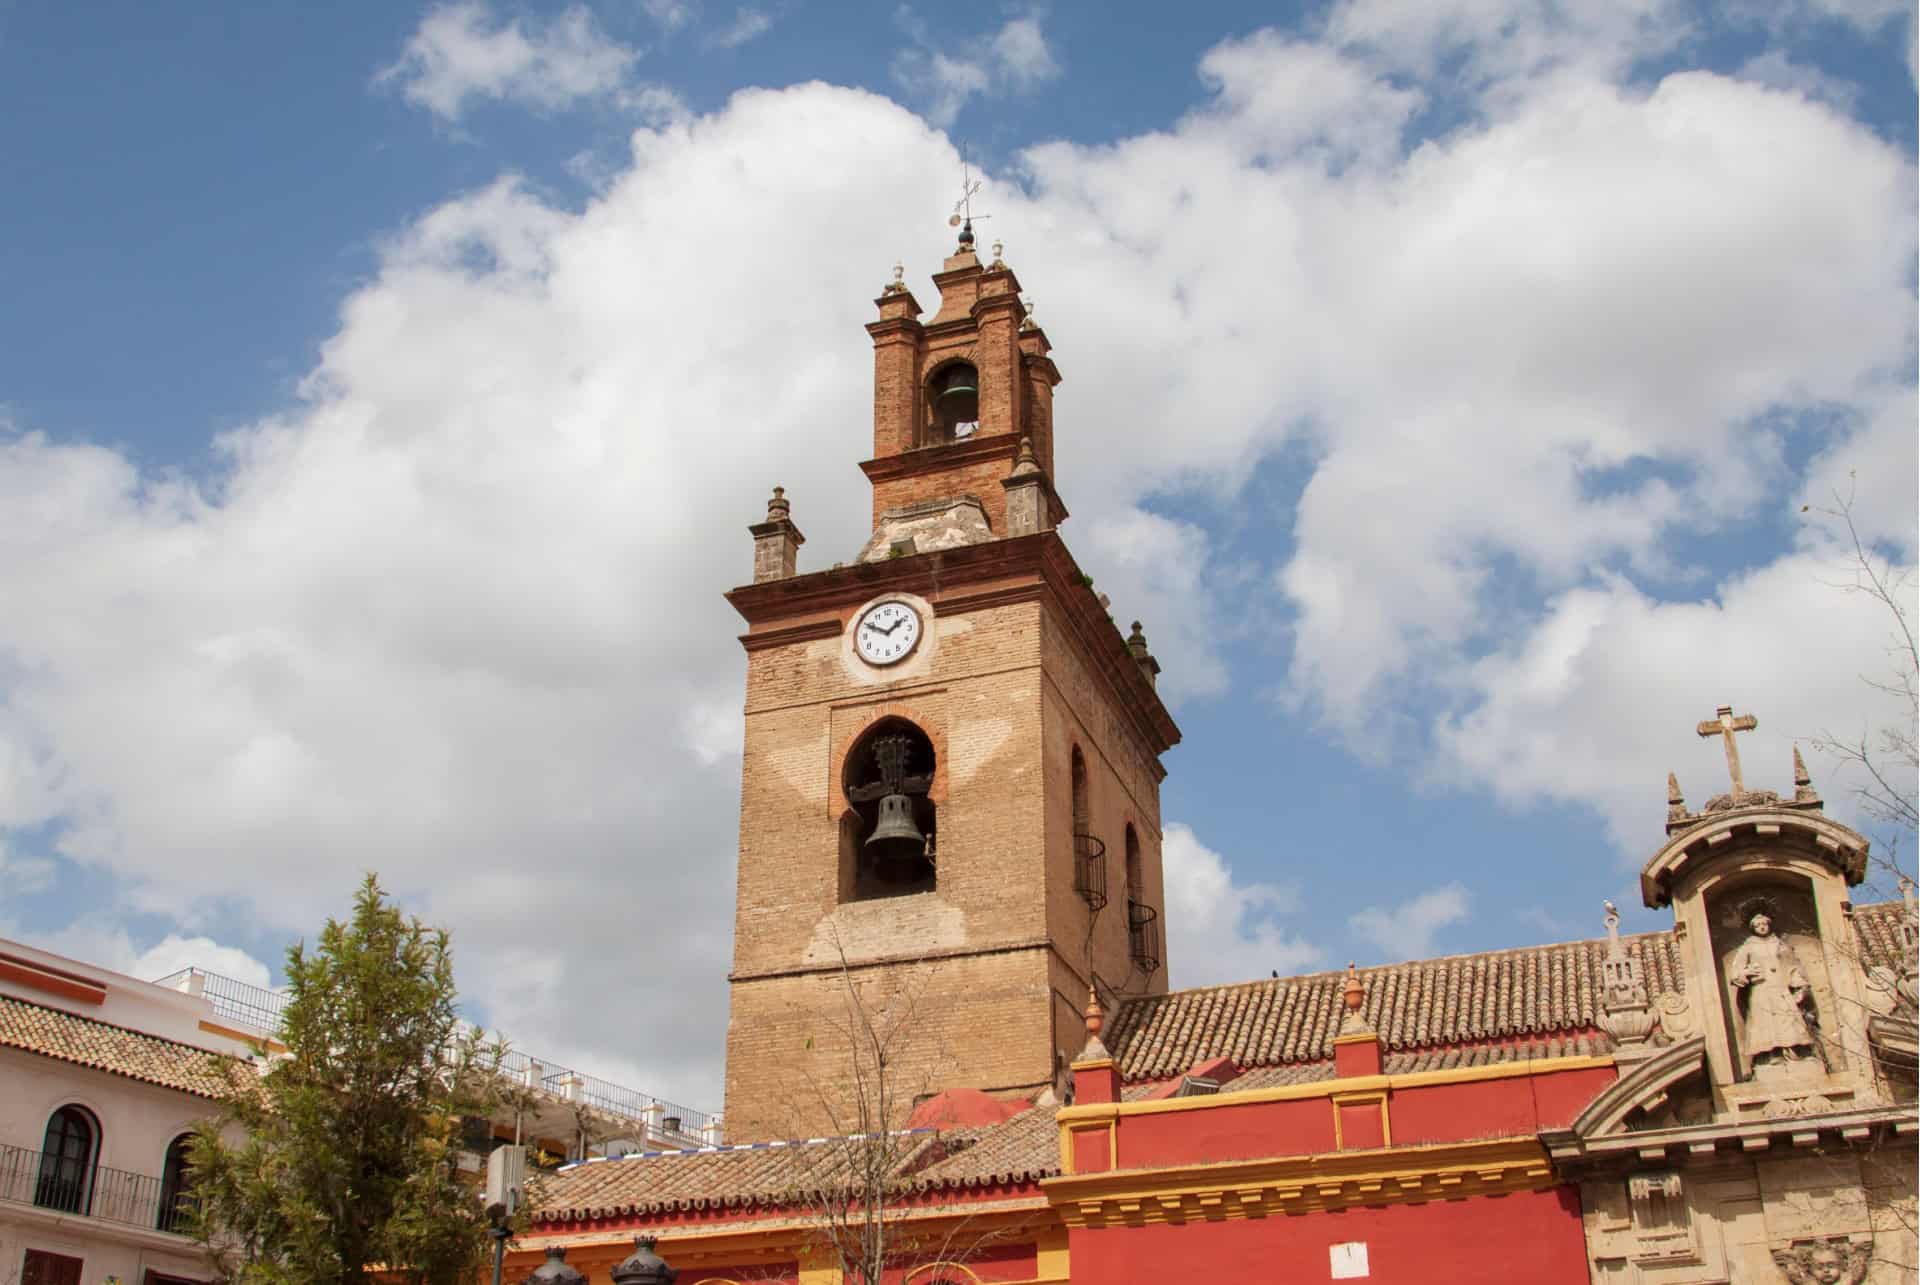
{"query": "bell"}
{"type": "Point", "coordinates": [957, 394]}
{"type": "Point", "coordinates": [898, 848]}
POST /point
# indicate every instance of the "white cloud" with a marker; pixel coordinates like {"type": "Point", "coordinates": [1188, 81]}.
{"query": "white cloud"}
{"type": "Point", "coordinates": [941, 72]}
{"type": "Point", "coordinates": [455, 615]}
{"type": "Point", "coordinates": [1406, 931]}
{"type": "Point", "coordinates": [22, 875]}
{"type": "Point", "coordinates": [670, 14]}
{"type": "Point", "coordinates": [1222, 931]}
{"type": "Point", "coordinates": [747, 25]}
{"type": "Point", "coordinates": [94, 939]}
{"type": "Point", "coordinates": [463, 52]}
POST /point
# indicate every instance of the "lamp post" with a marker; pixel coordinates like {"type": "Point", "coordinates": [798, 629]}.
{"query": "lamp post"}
{"type": "Point", "coordinates": [644, 1267]}
{"type": "Point", "coordinates": [555, 1270]}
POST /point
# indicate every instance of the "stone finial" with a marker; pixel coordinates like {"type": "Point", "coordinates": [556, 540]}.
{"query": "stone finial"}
{"type": "Point", "coordinates": [1027, 322]}
{"type": "Point", "coordinates": [1029, 506]}
{"type": "Point", "coordinates": [776, 541]}
{"type": "Point", "coordinates": [999, 249]}
{"type": "Point", "coordinates": [1137, 644]}
{"type": "Point", "coordinates": [1625, 1014]}
{"type": "Point", "coordinates": [899, 283]}
{"type": "Point", "coordinates": [1026, 462]}
{"type": "Point", "coordinates": [1353, 994]}
{"type": "Point", "coordinates": [1803, 791]}
{"type": "Point", "coordinates": [1094, 1050]}
{"type": "Point", "coordinates": [1677, 814]}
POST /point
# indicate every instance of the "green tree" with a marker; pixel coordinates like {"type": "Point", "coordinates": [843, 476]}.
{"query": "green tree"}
{"type": "Point", "coordinates": [349, 1163]}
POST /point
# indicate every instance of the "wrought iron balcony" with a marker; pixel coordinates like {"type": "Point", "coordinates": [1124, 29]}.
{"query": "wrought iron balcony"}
{"type": "Point", "coordinates": [95, 1191]}
{"type": "Point", "coordinates": [1090, 870]}
{"type": "Point", "coordinates": [1143, 935]}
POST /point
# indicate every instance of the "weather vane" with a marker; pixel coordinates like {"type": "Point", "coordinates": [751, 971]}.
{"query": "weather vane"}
{"type": "Point", "coordinates": [963, 215]}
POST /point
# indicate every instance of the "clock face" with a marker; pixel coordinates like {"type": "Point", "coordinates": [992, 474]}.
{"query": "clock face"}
{"type": "Point", "coordinates": [887, 633]}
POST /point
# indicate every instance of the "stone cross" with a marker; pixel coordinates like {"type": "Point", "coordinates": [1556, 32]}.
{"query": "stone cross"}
{"type": "Point", "coordinates": [1723, 724]}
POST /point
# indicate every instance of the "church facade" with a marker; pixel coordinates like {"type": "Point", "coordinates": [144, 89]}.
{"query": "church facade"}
{"type": "Point", "coordinates": [953, 1056]}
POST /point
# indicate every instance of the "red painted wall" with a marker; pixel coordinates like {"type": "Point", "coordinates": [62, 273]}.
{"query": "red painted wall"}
{"type": "Point", "coordinates": [1527, 1238]}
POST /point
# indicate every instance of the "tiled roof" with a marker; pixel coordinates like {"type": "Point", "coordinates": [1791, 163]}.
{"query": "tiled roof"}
{"type": "Point", "coordinates": [1431, 1004]}
{"type": "Point", "coordinates": [768, 1174]}
{"type": "Point", "coordinates": [55, 1033]}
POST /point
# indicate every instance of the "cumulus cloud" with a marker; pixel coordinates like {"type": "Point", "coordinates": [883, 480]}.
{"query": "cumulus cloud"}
{"type": "Point", "coordinates": [942, 73]}
{"type": "Point", "coordinates": [462, 52]}
{"type": "Point", "coordinates": [97, 940]}
{"type": "Point", "coordinates": [1222, 931]}
{"type": "Point", "coordinates": [455, 616]}
{"type": "Point", "coordinates": [1406, 930]}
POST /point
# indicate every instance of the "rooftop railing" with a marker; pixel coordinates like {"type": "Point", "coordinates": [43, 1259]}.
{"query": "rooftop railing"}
{"type": "Point", "coordinates": [260, 1010]}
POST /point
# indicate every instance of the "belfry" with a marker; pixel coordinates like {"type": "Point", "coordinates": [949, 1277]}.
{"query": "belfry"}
{"type": "Point", "coordinates": [950, 784]}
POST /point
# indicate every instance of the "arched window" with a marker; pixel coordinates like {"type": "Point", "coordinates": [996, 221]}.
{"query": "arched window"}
{"type": "Point", "coordinates": [68, 1154]}
{"type": "Point", "coordinates": [887, 838]}
{"type": "Point", "coordinates": [953, 401]}
{"type": "Point", "coordinates": [1089, 853]}
{"type": "Point", "coordinates": [1136, 887]}
{"type": "Point", "coordinates": [176, 1185]}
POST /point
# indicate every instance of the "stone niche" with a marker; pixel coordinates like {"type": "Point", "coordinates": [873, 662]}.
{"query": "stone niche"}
{"type": "Point", "coordinates": [1776, 993]}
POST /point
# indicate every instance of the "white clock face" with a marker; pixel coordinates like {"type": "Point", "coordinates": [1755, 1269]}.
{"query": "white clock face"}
{"type": "Point", "coordinates": [887, 632]}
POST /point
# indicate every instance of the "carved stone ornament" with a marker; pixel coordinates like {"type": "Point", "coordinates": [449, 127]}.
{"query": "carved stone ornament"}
{"type": "Point", "coordinates": [1833, 1261]}
{"type": "Point", "coordinates": [1626, 1015]}
{"type": "Point", "coordinates": [1678, 1021]}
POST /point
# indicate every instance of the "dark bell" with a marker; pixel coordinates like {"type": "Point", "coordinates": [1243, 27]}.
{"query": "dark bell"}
{"type": "Point", "coordinates": [644, 1267]}
{"type": "Point", "coordinates": [896, 845]}
{"type": "Point", "coordinates": [555, 1270]}
{"type": "Point", "coordinates": [956, 394]}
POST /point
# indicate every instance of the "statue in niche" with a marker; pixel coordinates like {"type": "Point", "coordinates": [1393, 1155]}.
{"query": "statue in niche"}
{"type": "Point", "coordinates": [1779, 1022]}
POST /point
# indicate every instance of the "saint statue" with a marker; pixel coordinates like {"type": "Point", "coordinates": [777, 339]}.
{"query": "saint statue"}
{"type": "Point", "coordinates": [1773, 993]}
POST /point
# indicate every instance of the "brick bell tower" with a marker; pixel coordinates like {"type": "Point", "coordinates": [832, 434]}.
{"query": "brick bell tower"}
{"type": "Point", "coordinates": [950, 794]}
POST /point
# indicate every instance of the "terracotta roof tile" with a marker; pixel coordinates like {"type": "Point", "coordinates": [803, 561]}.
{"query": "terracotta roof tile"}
{"type": "Point", "coordinates": [1495, 996]}
{"type": "Point", "coordinates": [55, 1033]}
{"type": "Point", "coordinates": [1020, 1149]}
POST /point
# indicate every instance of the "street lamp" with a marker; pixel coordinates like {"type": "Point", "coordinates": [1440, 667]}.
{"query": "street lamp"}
{"type": "Point", "coordinates": [555, 1270]}
{"type": "Point", "coordinates": [644, 1267]}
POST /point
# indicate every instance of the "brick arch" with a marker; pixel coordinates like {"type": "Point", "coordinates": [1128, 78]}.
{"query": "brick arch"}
{"type": "Point", "coordinates": [931, 728]}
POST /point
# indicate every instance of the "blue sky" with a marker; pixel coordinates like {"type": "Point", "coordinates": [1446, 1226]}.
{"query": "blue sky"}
{"type": "Point", "coordinates": [383, 395]}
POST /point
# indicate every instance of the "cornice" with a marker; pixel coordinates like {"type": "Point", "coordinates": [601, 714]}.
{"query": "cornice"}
{"type": "Point", "coordinates": [941, 457]}
{"type": "Point", "coordinates": [1300, 1184]}
{"type": "Point", "coordinates": [1723, 833]}
{"type": "Point", "coordinates": [1575, 1156]}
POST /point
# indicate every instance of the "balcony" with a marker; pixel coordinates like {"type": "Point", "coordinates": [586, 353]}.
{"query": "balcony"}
{"type": "Point", "coordinates": [1143, 936]}
{"type": "Point", "coordinates": [1090, 870]}
{"type": "Point", "coordinates": [131, 1199]}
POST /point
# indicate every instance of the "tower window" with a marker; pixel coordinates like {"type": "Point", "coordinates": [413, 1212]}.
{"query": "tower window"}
{"type": "Point", "coordinates": [953, 396]}
{"type": "Point", "coordinates": [887, 846]}
{"type": "Point", "coordinates": [1089, 853]}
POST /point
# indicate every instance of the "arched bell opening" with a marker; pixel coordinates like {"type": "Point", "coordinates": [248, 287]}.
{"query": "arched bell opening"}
{"type": "Point", "coordinates": [887, 837]}
{"type": "Point", "coordinates": [953, 401]}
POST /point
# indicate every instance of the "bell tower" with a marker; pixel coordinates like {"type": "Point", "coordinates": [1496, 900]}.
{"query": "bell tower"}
{"type": "Point", "coordinates": [950, 810]}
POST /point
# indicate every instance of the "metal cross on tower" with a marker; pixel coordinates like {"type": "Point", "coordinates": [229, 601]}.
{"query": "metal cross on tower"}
{"type": "Point", "coordinates": [1723, 724]}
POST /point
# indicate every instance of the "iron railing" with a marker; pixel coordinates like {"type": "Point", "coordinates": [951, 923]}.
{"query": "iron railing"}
{"type": "Point", "coordinates": [261, 1010]}
{"type": "Point", "coordinates": [1143, 935]}
{"type": "Point", "coordinates": [95, 1191]}
{"type": "Point", "coordinates": [1090, 870]}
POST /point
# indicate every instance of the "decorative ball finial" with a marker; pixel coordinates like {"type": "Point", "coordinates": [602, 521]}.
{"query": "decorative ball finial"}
{"type": "Point", "coordinates": [1353, 992]}
{"type": "Point", "coordinates": [898, 285]}
{"type": "Point", "coordinates": [999, 248]}
{"type": "Point", "coordinates": [777, 507]}
{"type": "Point", "coordinates": [1095, 1017]}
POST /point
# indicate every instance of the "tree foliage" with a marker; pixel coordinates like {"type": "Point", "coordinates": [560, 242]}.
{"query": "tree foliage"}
{"type": "Point", "coordinates": [349, 1163]}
